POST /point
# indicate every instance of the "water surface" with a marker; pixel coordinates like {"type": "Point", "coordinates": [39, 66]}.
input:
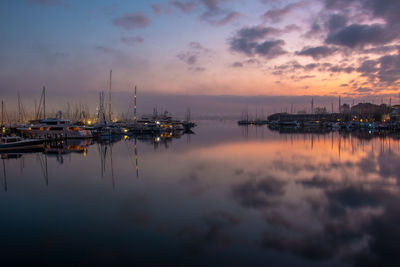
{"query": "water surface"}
{"type": "Point", "coordinates": [226, 195]}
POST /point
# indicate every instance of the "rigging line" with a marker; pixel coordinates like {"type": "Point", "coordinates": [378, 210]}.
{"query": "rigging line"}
{"type": "Point", "coordinates": [129, 153]}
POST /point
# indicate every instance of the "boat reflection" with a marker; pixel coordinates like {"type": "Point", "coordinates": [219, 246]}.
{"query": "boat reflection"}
{"type": "Point", "coordinates": [62, 147]}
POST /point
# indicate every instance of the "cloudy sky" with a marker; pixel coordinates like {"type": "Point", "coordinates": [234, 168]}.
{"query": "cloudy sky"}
{"type": "Point", "coordinates": [202, 47]}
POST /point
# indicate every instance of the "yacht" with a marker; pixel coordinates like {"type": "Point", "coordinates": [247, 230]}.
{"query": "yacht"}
{"type": "Point", "coordinates": [14, 143]}
{"type": "Point", "coordinates": [52, 129]}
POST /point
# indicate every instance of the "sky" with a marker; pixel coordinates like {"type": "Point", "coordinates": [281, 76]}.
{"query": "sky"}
{"type": "Point", "coordinates": [212, 48]}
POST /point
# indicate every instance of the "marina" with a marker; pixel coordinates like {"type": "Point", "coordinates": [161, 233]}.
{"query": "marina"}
{"type": "Point", "coordinates": [172, 133]}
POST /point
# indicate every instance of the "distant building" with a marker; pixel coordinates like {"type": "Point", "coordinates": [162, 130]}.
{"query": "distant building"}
{"type": "Point", "coordinates": [365, 109]}
{"type": "Point", "coordinates": [395, 114]}
{"type": "Point", "coordinates": [345, 109]}
{"type": "Point", "coordinates": [320, 110]}
{"type": "Point", "coordinates": [372, 111]}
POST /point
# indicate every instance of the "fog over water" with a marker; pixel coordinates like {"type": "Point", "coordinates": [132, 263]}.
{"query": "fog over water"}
{"type": "Point", "coordinates": [201, 106]}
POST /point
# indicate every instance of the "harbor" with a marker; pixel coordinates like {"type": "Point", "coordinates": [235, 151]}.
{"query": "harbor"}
{"type": "Point", "coordinates": [363, 116]}
{"type": "Point", "coordinates": [34, 133]}
{"type": "Point", "coordinates": [172, 133]}
{"type": "Point", "coordinates": [135, 186]}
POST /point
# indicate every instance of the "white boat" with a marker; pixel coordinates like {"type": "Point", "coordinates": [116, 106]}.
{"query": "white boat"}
{"type": "Point", "coordinates": [14, 143]}
{"type": "Point", "coordinates": [53, 128]}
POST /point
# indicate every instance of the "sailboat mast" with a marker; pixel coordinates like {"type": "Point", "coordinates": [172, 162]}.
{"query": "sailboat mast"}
{"type": "Point", "coordinates": [44, 102]}
{"type": "Point", "coordinates": [2, 114]}
{"type": "Point", "coordinates": [134, 108]}
{"type": "Point", "coordinates": [109, 98]}
{"type": "Point", "coordinates": [19, 109]}
{"type": "Point", "coordinates": [312, 105]}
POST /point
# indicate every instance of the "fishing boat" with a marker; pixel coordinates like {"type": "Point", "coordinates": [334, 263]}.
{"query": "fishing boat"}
{"type": "Point", "coordinates": [53, 129]}
{"type": "Point", "coordinates": [14, 143]}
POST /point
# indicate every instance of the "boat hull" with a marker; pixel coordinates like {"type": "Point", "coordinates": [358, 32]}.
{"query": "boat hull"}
{"type": "Point", "coordinates": [22, 146]}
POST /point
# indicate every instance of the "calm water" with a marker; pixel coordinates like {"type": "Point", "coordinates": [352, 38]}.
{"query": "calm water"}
{"type": "Point", "coordinates": [225, 195]}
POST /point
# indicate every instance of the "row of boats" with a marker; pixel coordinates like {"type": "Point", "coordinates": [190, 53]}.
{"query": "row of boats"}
{"type": "Point", "coordinates": [349, 125]}
{"type": "Point", "coordinates": [35, 133]}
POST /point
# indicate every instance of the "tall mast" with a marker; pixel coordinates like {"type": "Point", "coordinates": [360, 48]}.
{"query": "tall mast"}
{"type": "Point", "coordinates": [99, 109]}
{"type": "Point", "coordinates": [312, 105]}
{"type": "Point", "coordinates": [2, 115]}
{"type": "Point", "coordinates": [109, 98]}
{"type": "Point", "coordinates": [134, 108]}
{"type": "Point", "coordinates": [19, 109]}
{"type": "Point", "coordinates": [44, 102]}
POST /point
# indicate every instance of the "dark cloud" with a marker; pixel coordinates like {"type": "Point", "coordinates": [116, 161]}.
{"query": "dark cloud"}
{"type": "Point", "coordinates": [258, 194]}
{"type": "Point", "coordinates": [358, 35]}
{"type": "Point", "coordinates": [212, 5]}
{"type": "Point", "coordinates": [317, 52]}
{"type": "Point", "coordinates": [131, 21]}
{"type": "Point", "coordinates": [226, 19]}
{"type": "Point", "coordinates": [368, 67]}
{"type": "Point", "coordinates": [311, 66]}
{"type": "Point", "coordinates": [288, 67]}
{"type": "Point", "coordinates": [212, 12]}
{"type": "Point", "coordinates": [363, 90]}
{"type": "Point", "coordinates": [184, 6]}
{"type": "Point", "coordinates": [270, 49]}
{"type": "Point", "coordinates": [385, 9]}
{"type": "Point", "coordinates": [214, 231]}
{"type": "Point", "coordinates": [338, 69]}
{"type": "Point", "coordinates": [389, 165]}
{"type": "Point", "coordinates": [317, 181]}
{"type": "Point", "coordinates": [197, 69]}
{"type": "Point", "coordinates": [188, 57]}
{"type": "Point", "coordinates": [256, 33]}
{"type": "Point", "coordinates": [291, 28]}
{"type": "Point", "coordinates": [389, 71]}
{"type": "Point", "coordinates": [199, 47]}
{"type": "Point", "coordinates": [381, 49]}
{"type": "Point", "coordinates": [277, 14]}
{"type": "Point", "coordinates": [192, 56]}
{"type": "Point", "coordinates": [338, 4]}
{"type": "Point", "coordinates": [314, 30]}
{"type": "Point", "coordinates": [132, 40]}
{"type": "Point", "coordinates": [344, 221]}
{"type": "Point", "coordinates": [386, 69]}
{"type": "Point", "coordinates": [302, 77]}
{"type": "Point", "coordinates": [354, 197]}
{"type": "Point", "coordinates": [336, 21]}
{"type": "Point", "coordinates": [246, 41]}
{"type": "Point", "coordinates": [294, 66]}
{"type": "Point", "coordinates": [237, 65]}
